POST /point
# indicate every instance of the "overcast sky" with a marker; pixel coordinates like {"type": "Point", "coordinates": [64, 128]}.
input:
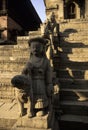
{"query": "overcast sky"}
{"type": "Point", "coordinates": [40, 8]}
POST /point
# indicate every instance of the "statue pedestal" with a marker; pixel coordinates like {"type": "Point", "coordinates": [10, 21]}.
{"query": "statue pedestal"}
{"type": "Point", "coordinates": [36, 123]}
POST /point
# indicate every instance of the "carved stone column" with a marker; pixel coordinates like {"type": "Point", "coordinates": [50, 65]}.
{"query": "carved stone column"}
{"type": "Point", "coordinates": [77, 11]}
{"type": "Point", "coordinates": [52, 6]}
{"type": "Point", "coordinates": [61, 9]}
{"type": "Point", "coordinates": [86, 8]}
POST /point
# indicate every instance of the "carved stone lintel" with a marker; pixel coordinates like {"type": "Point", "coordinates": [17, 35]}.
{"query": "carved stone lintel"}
{"type": "Point", "coordinates": [52, 7]}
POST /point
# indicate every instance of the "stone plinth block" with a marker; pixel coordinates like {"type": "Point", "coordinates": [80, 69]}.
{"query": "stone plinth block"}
{"type": "Point", "coordinates": [41, 123]}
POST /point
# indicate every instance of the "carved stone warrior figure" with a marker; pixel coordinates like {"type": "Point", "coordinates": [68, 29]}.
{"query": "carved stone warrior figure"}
{"type": "Point", "coordinates": [24, 93]}
{"type": "Point", "coordinates": [50, 31]}
{"type": "Point", "coordinates": [49, 27]}
{"type": "Point", "coordinates": [39, 69]}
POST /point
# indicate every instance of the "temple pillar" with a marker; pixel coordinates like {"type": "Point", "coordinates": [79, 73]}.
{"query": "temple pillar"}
{"type": "Point", "coordinates": [61, 10]}
{"type": "Point", "coordinates": [77, 11]}
{"type": "Point", "coordinates": [86, 8]}
{"type": "Point", "coordinates": [4, 5]}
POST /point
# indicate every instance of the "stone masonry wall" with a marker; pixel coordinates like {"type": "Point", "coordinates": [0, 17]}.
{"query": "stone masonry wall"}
{"type": "Point", "coordinates": [12, 60]}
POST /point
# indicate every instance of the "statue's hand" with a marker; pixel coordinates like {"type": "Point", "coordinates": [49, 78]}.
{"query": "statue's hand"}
{"type": "Point", "coordinates": [56, 89]}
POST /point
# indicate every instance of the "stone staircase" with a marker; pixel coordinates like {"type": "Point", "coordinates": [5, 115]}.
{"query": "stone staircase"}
{"type": "Point", "coordinates": [71, 65]}
{"type": "Point", "coordinates": [12, 60]}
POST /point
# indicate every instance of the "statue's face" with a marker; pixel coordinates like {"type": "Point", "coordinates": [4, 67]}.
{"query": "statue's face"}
{"type": "Point", "coordinates": [36, 48]}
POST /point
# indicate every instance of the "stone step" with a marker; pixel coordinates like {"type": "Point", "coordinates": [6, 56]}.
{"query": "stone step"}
{"type": "Point", "coordinates": [8, 71]}
{"type": "Point", "coordinates": [8, 75]}
{"type": "Point", "coordinates": [73, 43]}
{"type": "Point", "coordinates": [69, 65]}
{"type": "Point", "coordinates": [73, 73]}
{"type": "Point", "coordinates": [13, 48]}
{"type": "Point", "coordinates": [74, 118]}
{"type": "Point", "coordinates": [13, 68]}
{"type": "Point", "coordinates": [6, 89]}
{"type": "Point", "coordinates": [73, 83]}
{"type": "Point", "coordinates": [75, 38]}
{"type": "Point", "coordinates": [34, 32]}
{"type": "Point", "coordinates": [74, 94]}
{"type": "Point", "coordinates": [16, 59]}
{"type": "Point", "coordinates": [69, 50]}
{"type": "Point", "coordinates": [7, 96]}
{"type": "Point", "coordinates": [74, 107]}
{"type": "Point", "coordinates": [15, 53]}
{"type": "Point", "coordinates": [72, 28]}
{"type": "Point", "coordinates": [41, 123]}
{"type": "Point", "coordinates": [73, 58]}
{"type": "Point", "coordinates": [77, 59]}
{"type": "Point", "coordinates": [72, 55]}
{"type": "Point", "coordinates": [75, 54]}
{"type": "Point", "coordinates": [73, 76]}
{"type": "Point", "coordinates": [74, 33]}
{"type": "Point", "coordinates": [71, 25]}
{"type": "Point", "coordinates": [21, 44]}
{"type": "Point", "coordinates": [73, 122]}
{"type": "Point", "coordinates": [8, 67]}
{"type": "Point", "coordinates": [5, 81]}
{"type": "Point", "coordinates": [9, 112]}
{"type": "Point", "coordinates": [13, 61]}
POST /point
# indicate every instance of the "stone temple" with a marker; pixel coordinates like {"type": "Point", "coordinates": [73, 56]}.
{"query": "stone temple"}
{"type": "Point", "coordinates": [19, 22]}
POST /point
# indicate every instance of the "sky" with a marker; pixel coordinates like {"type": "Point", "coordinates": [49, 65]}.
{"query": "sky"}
{"type": "Point", "coordinates": [40, 8]}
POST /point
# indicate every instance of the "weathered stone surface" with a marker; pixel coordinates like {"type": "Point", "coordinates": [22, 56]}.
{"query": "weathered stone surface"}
{"type": "Point", "coordinates": [70, 63]}
{"type": "Point", "coordinates": [41, 123]}
{"type": "Point", "coordinates": [12, 61]}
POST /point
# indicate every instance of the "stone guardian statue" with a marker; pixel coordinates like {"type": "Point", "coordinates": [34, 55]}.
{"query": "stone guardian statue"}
{"type": "Point", "coordinates": [39, 69]}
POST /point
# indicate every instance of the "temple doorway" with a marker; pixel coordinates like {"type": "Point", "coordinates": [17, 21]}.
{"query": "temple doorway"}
{"type": "Point", "coordinates": [71, 11]}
